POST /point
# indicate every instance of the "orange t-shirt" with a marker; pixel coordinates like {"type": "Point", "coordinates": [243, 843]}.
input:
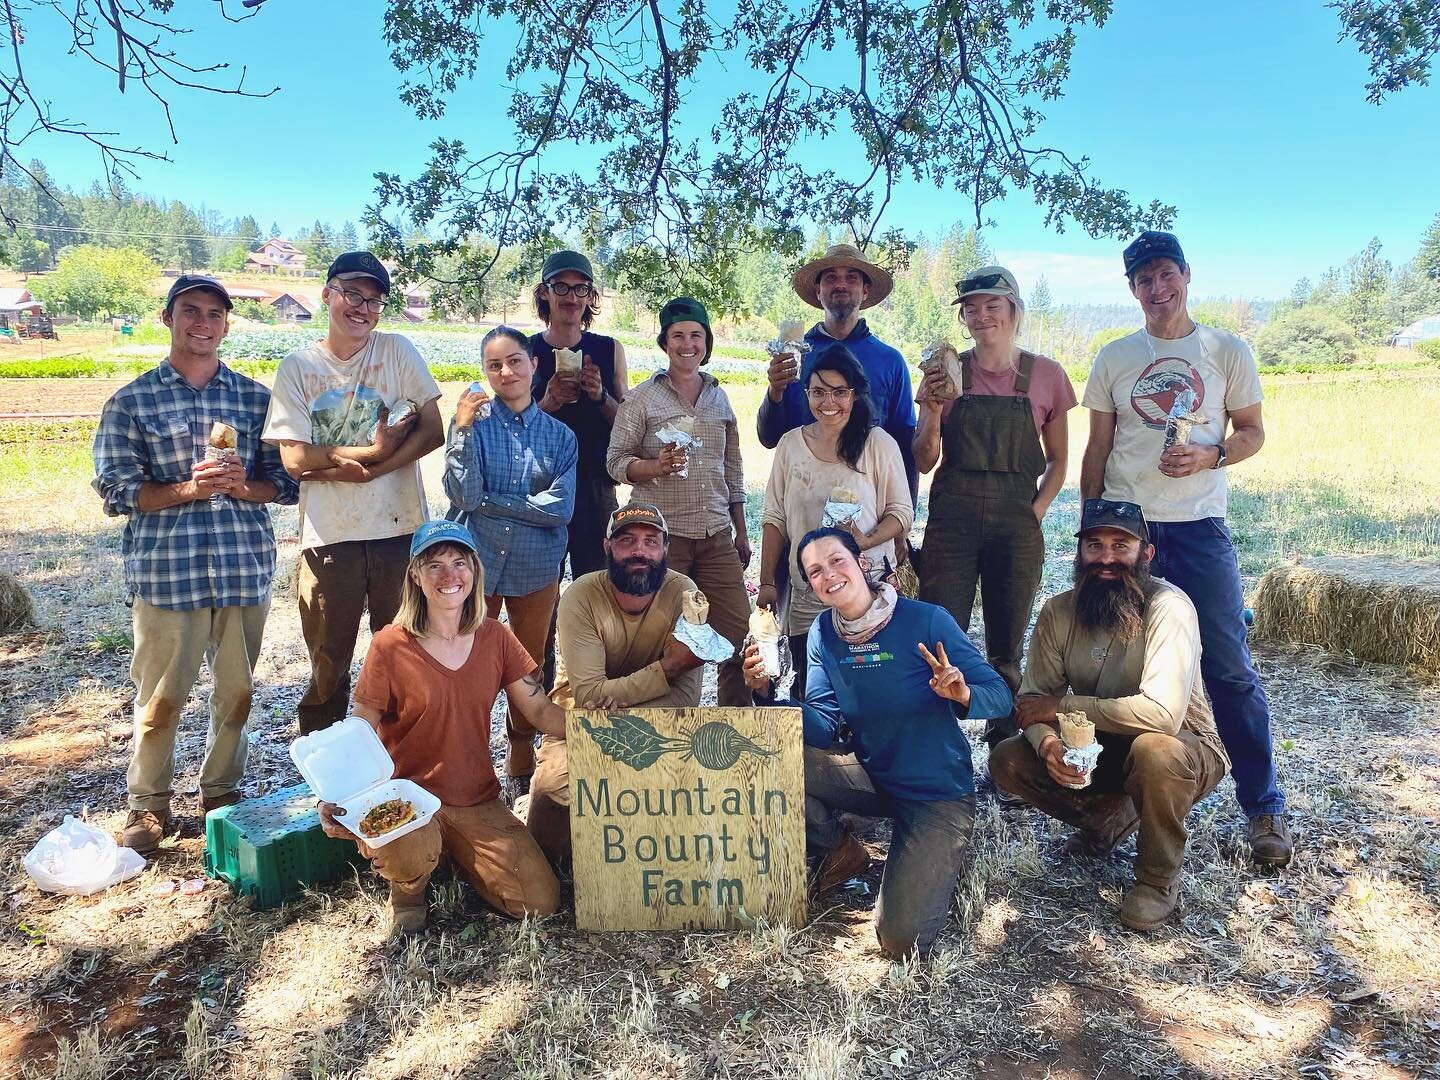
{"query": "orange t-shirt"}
{"type": "Point", "coordinates": [435, 722]}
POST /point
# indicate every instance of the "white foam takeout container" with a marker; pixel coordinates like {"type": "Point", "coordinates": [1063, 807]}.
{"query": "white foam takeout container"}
{"type": "Point", "coordinates": [347, 764]}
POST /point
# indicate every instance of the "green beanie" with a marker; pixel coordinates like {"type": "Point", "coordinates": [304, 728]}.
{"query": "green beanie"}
{"type": "Point", "coordinates": [683, 309]}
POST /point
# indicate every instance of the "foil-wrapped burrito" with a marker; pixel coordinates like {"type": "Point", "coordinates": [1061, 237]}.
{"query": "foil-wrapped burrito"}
{"type": "Point", "coordinates": [1081, 750]}
{"type": "Point", "coordinates": [222, 445]}
{"type": "Point", "coordinates": [774, 647]}
{"type": "Point", "coordinates": [692, 631]}
{"type": "Point", "coordinates": [568, 361]}
{"type": "Point", "coordinates": [842, 507]}
{"type": "Point", "coordinates": [1182, 418]}
{"type": "Point", "coordinates": [680, 432]}
{"type": "Point", "coordinates": [941, 355]}
{"type": "Point", "coordinates": [790, 338]}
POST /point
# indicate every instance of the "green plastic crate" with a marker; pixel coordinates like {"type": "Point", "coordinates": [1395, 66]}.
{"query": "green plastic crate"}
{"type": "Point", "coordinates": [272, 847]}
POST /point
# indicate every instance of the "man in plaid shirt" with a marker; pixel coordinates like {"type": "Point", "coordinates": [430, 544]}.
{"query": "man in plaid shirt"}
{"type": "Point", "coordinates": [199, 550]}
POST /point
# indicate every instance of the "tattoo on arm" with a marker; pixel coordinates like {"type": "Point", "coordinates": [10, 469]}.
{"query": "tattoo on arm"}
{"type": "Point", "coordinates": [533, 682]}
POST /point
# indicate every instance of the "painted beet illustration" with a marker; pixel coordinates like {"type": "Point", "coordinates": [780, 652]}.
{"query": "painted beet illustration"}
{"type": "Point", "coordinates": [634, 742]}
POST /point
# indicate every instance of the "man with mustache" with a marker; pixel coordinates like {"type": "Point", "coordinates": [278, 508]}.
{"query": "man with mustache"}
{"type": "Point", "coordinates": [1123, 648]}
{"type": "Point", "coordinates": [613, 629]}
{"type": "Point", "coordinates": [1139, 386]}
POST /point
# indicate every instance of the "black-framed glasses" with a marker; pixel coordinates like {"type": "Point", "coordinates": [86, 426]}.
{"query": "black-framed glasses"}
{"type": "Point", "coordinates": [582, 292]}
{"type": "Point", "coordinates": [830, 393]}
{"type": "Point", "coordinates": [374, 305]}
{"type": "Point", "coordinates": [980, 281]}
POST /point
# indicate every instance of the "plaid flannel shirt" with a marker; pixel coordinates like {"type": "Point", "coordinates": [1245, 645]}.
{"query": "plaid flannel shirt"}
{"type": "Point", "coordinates": [511, 479]}
{"type": "Point", "coordinates": [213, 553]}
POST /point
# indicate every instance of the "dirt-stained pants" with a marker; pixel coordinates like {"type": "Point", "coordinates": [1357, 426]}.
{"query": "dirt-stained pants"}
{"type": "Point", "coordinates": [490, 849]}
{"type": "Point", "coordinates": [548, 818]}
{"type": "Point", "coordinates": [169, 648]}
{"type": "Point", "coordinates": [1153, 779]}
{"type": "Point", "coordinates": [529, 617]}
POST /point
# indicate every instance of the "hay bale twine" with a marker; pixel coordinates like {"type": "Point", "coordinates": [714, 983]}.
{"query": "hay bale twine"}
{"type": "Point", "coordinates": [1381, 609]}
{"type": "Point", "coordinates": [17, 610]}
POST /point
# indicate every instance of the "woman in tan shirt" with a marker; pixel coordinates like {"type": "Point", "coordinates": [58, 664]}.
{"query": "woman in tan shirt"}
{"type": "Point", "coordinates": [842, 457]}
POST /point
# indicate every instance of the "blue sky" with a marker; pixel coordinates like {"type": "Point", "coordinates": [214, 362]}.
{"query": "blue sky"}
{"type": "Point", "coordinates": [1250, 117]}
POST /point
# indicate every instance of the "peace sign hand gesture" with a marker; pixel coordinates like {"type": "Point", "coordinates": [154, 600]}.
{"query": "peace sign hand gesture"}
{"type": "Point", "coordinates": [946, 680]}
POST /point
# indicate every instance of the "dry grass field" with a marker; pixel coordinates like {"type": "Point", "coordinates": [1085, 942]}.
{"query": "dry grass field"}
{"type": "Point", "coordinates": [1325, 970]}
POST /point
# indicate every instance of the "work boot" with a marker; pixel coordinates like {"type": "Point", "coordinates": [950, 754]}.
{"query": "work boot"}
{"type": "Point", "coordinates": [1089, 844]}
{"type": "Point", "coordinates": [1270, 840]}
{"type": "Point", "coordinates": [846, 860]}
{"type": "Point", "coordinates": [144, 829]}
{"type": "Point", "coordinates": [1146, 907]}
{"type": "Point", "coordinates": [230, 798]}
{"type": "Point", "coordinates": [408, 912]}
{"type": "Point", "coordinates": [985, 785]}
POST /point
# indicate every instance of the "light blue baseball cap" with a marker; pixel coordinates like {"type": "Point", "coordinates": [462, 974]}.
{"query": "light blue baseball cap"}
{"type": "Point", "coordinates": [441, 532]}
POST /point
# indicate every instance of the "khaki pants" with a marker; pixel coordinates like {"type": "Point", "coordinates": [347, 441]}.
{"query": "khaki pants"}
{"type": "Point", "coordinates": [714, 565]}
{"type": "Point", "coordinates": [1153, 779]}
{"type": "Point", "coordinates": [490, 849]}
{"type": "Point", "coordinates": [169, 648]}
{"type": "Point", "coordinates": [529, 617]}
{"type": "Point", "coordinates": [548, 818]}
{"type": "Point", "coordinates": [335, 583]}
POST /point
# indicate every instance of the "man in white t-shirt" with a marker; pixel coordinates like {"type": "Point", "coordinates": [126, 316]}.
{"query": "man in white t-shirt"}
{"type": "Point", "coordinates": [1175, 370]}
{"type": "Point", "coordinates": [353, 415]}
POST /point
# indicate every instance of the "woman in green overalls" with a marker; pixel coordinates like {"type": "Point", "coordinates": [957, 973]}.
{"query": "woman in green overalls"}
{"type": "Point", "coordinates": [1001, 445]}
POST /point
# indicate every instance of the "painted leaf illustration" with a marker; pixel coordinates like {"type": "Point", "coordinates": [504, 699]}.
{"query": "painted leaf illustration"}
{"type": "Point", "coordinates": [629, 740]}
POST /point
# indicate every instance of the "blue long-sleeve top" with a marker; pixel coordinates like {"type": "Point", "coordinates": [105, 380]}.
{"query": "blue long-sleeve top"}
{"type": "Point", "coordinates": [890, 389]}
{"type": "Point", "coordinates": [513, 476]}
{"type": "Point", "coordinates": [906, 736]}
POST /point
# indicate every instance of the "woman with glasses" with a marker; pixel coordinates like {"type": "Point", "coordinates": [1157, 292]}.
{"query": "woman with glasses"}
{"type": "Point", "coordinates": [842, 457]}
{"type": "Point", "coordinates": [1001, 446]}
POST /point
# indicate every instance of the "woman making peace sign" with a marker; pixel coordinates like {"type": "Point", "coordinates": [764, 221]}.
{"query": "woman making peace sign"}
{"type": "Point", "coordinates": [881, 705]}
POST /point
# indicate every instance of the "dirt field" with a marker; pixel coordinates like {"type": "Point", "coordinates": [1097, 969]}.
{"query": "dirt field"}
{"type": "Point", "coordinates": [1325, 970]}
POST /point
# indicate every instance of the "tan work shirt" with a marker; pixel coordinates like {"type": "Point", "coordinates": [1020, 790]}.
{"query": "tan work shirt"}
{"type": "Point", "coordinates": [1126, 688]}
{"type": "Point", "coordinates": [606, 652]}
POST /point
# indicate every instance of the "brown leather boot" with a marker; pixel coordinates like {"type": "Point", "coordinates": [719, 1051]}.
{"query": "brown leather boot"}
{"type": "Point", "coordinates": [1270, 840]}
{"type": "Point", "coordinates": [408, 912]}
{"type": "Point", "coordinates": [144, 829]}
{"type": "Point", "coordinates": [230, 798]}
{"type": "Point", "coordinates": [1147, 907]}
{"type": "Point", "coordinates": [845, 861]}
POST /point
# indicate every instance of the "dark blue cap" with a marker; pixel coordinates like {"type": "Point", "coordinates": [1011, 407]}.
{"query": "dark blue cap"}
{"type": "Point", "coordinates": [441, 532]}
{"type": "Point", "coordinates": [185, 282]}
{"type": "Point", "coordinates": [355, 264]}
{"type": "Point", "coordinates": [1151, 244]}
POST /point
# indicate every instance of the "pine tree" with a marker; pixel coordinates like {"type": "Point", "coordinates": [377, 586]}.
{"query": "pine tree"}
{"type": "Point", "coordinates": [1427, 259]}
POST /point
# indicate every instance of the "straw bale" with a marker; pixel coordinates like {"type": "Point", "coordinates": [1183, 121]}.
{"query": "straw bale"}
{"type": "Point", "coordinates": [17, 610]}
{"type": "Point", "coordinates": [1381, 609]}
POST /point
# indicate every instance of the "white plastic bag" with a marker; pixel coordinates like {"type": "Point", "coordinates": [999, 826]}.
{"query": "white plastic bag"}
{"type": "Point", "coordinates": [77, 859]}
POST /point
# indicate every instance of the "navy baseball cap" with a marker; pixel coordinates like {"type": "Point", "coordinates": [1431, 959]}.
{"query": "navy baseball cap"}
{"type": "Point", "coordinates": [441, 532]}
{"type": "Point", "coordinates": [1151, 244]}
{"type": "Point", "coordinates": [1111, 514]}
{"type": "Point", "coordinates": [560, 261]}
{"type": "Point", "coordinates": [185, 282]}
{"type": "Point", "coordinates": [355, 264]}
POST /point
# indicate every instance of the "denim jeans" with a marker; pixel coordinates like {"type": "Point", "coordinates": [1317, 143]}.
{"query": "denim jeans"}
{"type": "Point", "coordinates": [1198, 558]}
{"type": "Point", "coordinates": [929, 843]}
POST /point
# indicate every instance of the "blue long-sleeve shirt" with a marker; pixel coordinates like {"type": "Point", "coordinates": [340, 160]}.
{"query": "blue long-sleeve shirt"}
{"type": "Point", "coordinates": [890, 389]}
{"type": "Point", "coordinates": [514, 475]}
{"type": "Point", "coordinates": [906, 736]}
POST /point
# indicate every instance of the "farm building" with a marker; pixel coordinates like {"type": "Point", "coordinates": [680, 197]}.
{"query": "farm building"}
{"type": "Point", "coordinates": [1420, 330]}
{"type": "Point", "coordinates": [276, 256]}
{"type": "Point", "coordinates": [295, 306]}
{"type": "Point", "coordinates": [15, 301]}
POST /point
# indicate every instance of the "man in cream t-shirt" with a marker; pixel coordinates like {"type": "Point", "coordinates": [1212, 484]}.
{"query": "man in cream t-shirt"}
{"type": "Point", "coordinates": [1173, 364]}
{"type": "Point", "coordinates": [353, 415]}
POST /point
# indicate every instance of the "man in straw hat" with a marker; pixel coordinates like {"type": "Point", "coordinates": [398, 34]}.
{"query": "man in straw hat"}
{"type": "Point", "coordinates": [1122, 651]}
{"type": "Point", "coordinates": [843, 283]}
{"type": "Point", "coordinates": [1174, 372]}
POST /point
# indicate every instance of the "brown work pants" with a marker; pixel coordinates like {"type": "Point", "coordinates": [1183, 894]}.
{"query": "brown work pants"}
{"type": "Point", "coordinates": [529, 617]}
{"type": "Point", "coordinates": [337, 582]}
{"type": "Point", "coordinates": [548, 818]}
{"type": "Point", "coordinates": [1152, 779]}
{"type": "Point", "coordinates": [490, 849]}
{"type": "Point", "coordinates": [714, 565]}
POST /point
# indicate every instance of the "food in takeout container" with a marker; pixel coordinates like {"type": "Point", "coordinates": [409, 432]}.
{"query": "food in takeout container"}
{"type": "Point", "coordinates": [568, 361]}
{"type": "Point", "coordinates": [383, 817]}
{"type": "Point", "coordinates": [693, 606]}
{"type": "Point", "coordinates": [347, 764]}
{"type": "Point", "coordinates": [941, 355]}
{"type": "Point", "coordinates": [842, 507]}
{"type": "Point", "coordinates": [1077, 732]}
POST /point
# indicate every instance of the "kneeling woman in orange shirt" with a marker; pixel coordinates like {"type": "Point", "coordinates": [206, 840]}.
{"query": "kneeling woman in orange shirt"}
{"type": "Point", "coordinates": [428, 686]}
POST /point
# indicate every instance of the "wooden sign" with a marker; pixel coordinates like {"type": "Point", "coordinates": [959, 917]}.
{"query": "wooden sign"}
{"type": "Point", "coordinates": [686, 819]}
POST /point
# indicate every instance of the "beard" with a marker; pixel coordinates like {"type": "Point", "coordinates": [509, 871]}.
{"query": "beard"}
{"type": "Point", "coordinates": [638, 577]}
{"type": "Point", "coordinates": [841, 310]}
{"type": "Point", "coordinates": [1115, 606]}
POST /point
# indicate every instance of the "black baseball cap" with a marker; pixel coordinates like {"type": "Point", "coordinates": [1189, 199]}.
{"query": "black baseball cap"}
{"type": "Point", "coordinates": [356, 264]}
{"type": "Point", "coordinates": [1151, 244]}
{"type": "Point", "coordinates": [1109, 514]}
{"type": "Point", "coordinates": [636, 514]}
{"type": "Point", "coordinates": [185, 282]}
{"type": "Point", "coordinates": [560, 261]}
